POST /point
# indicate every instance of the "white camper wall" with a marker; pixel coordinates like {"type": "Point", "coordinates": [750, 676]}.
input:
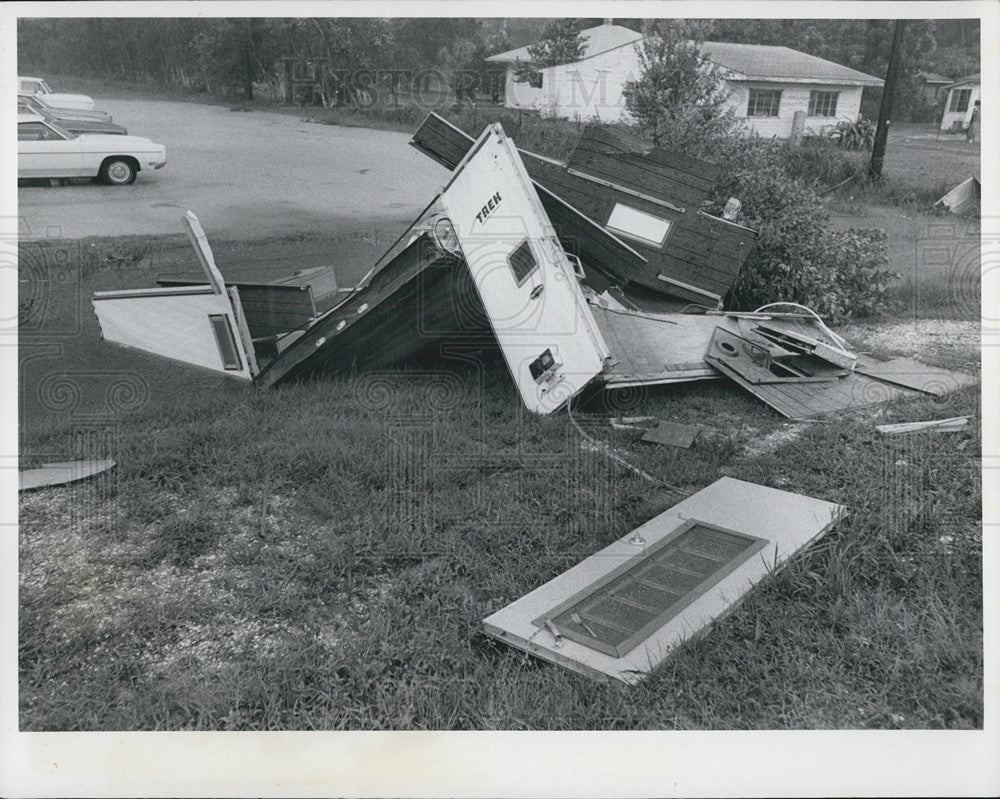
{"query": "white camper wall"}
{"type": "Point", "coordinates": [172, 322]}
{"type": "Point", "coordinates": [527, 285]}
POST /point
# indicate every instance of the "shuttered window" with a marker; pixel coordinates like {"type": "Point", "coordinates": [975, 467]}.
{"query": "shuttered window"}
{"type": "Point", "coordinates": [632, 602]}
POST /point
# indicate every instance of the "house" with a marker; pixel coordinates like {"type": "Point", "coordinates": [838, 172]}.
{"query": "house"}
{"type": "Point", "coordinates": [962, 97]}
{"type": "Point", "coordinates": [773, 88]}
{"type": "Point", "coordinates": [932, 86]}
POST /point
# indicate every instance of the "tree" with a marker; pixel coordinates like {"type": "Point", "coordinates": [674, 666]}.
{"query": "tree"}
{"type": "Point", "coordinates": [679, 90]}
{"type": "Point", "coordinates": [561, 43]}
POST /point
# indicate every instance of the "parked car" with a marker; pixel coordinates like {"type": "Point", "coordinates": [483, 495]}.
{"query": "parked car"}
{"type": "Point", "coordinates": [38, 101]}
{"type": "Point", "coordinates": [68, 120]}
{"type": "Point", "coordinates": [32, 86]}
{"type": "Point", "coordinates": [47, 150]}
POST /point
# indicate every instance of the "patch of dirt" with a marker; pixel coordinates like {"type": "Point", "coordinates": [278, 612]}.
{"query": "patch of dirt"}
{"type": "Point", "coordinates": [939, 342]}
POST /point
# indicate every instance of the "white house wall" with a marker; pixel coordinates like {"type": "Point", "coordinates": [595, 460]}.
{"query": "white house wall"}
{"type": "Point", "coordinates": [593, 89]}
{"type": "Point", "coordinates": [951, 117]}
{"type": "Point", "coordinates": [794, 97]}
{"type": "Point", "coordinates": [520, 95]}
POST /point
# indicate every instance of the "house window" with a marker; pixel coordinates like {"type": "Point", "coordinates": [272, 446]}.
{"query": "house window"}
{"type": "Point", "coordinates": [764, 102]}
{"type": "Point", "coordinates": [639, 225]}
{"type": "Point", "coordinates": [522, 262]}
{"type": "Point", "coordinates": [823, 104]}
{"type": "Point", "coordinates": [960, 100]}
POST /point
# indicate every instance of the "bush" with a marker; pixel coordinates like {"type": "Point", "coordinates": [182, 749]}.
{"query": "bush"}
{"type": "Point", "coordinates": [797, 257]}
{"type": "Point", "coordinates": [819, 161]}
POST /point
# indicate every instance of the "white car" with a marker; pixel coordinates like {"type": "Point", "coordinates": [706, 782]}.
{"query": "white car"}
{"type": "Point", "coordinates": [38, 86]}
{"type": "Point", "coordinates": [46, 150]}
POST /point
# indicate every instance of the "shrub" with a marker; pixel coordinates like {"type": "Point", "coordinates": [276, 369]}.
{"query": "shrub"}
{"type": "Point", "coordinates": [797, 257]}
{"type": "Point", "coordinates": [857, 135]}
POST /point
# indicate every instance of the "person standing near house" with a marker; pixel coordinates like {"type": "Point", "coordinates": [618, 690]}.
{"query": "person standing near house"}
{"type": "Point", "coordinates": [972, 133]}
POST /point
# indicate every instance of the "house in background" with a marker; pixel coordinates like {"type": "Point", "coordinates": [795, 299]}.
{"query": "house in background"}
{"type": "Point", "coordinates": [777, 90]}
{"type": "Point", "coordinates": [932, 86]}
{"type": "Point", "coordinates": [958, 108]}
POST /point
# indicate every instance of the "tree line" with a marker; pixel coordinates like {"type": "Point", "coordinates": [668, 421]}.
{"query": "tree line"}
{"type": "Point", "coordinates": [230, 55]}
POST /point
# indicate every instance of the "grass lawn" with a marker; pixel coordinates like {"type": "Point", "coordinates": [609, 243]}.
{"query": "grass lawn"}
{"type": "Point", "coordinates": [319, 556]}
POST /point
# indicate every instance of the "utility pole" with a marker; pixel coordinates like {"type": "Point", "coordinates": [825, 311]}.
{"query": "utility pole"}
{"type": "Point", "coordinates": [885, 109]}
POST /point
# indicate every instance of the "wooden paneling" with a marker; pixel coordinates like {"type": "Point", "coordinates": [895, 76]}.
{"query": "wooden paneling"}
{"type": "Point", "coordinates": [271, 310]}
{"type": "Point", "coordinates": [909, 373]}
{"type": "Point", "coordinates": [395, 315]}
{"type": "Point", "coordinates": [700, 250]}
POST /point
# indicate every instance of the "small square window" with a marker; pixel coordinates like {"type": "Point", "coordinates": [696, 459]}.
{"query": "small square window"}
{"type": "Point", "coordinates": [823, 104]}
{"type": "Point", "coordinates": [522, 262]}
{"type": "Point", "coordinates": [764, 102]}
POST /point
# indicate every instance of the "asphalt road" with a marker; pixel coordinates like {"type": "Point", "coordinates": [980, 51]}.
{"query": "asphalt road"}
{"type": "Point", "coordinates": [244, 174]}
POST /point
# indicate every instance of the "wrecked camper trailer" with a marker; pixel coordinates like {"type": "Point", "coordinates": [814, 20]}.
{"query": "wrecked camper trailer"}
{"type": "Point", "coordinates": [484, 262]}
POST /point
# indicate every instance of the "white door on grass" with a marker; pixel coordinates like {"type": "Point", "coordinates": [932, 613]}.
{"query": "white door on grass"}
{"type": "Point", "coordinates": [527, 285]}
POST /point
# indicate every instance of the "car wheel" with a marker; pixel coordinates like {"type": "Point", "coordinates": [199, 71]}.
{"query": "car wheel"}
{"type": "Point", "coordinates": [118, 171]}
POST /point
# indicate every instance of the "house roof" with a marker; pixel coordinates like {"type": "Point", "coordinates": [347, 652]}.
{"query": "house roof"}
{"type": "Point", "coordinates": [968, 80]}
{"type": "Point", "coordinates": [595, 40]}
{"type": "Point", "coordinates": [742, 61]}
{"type": "Point", "coordinates": [933, 77]}
{"type": "Point", "coordinates": [771, 62]}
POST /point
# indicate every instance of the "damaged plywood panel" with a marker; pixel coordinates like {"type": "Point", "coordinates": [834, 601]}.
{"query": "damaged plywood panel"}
{"type": "Point", "coordinates": [598, 248]}
{"type": "Point", "coordinates": [807, 400]}
{"type": "Point", "coordinates": [53, 474]}
{"type": "Point", "coordinates": [620, 613]}
{"type": "Point", "coordinates": [909, 373]}
{"type": "Point", "coordinates": [655, 349]}
{"type": "Point", "coordinates": [685, 253]}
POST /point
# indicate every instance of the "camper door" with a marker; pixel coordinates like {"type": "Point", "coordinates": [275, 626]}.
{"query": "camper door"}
{"type": "Point", "coordinates": [526, 283]}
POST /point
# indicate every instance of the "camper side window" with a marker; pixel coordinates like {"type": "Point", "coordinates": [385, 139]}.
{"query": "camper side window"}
{"type": "Point", "coordinates": [522, 262]}
{"type": "Point", "coordinates": [639, 225]}
{"type": "Point", "coordinates": [225, 341]}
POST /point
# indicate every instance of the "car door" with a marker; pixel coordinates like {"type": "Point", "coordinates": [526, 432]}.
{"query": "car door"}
{"type": "Point", "coordinates": [44, 153]}
{"type": "Point", "coordinates": [527, 285]}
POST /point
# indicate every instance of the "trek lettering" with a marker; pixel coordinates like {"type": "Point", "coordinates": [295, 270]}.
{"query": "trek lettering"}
{"type": "Point", "coordinates": [488, 209]}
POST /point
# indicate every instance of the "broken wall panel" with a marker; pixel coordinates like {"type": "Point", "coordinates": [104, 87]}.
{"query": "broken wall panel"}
{"type": "Point", "coordinates": [702, 254]}
{"type": "Point", "coordinates": [176, 323]}
{"type": "Point", "coordinates": [529, 288]}
{"type": "Point", "coordinates": [742, 533]}
{"type": "Point", "coordinates": [910, 373]}
{"type": "Point", "coordinates": [579, 234]}
{"type": "Point", "coordinates": [394, 316]}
